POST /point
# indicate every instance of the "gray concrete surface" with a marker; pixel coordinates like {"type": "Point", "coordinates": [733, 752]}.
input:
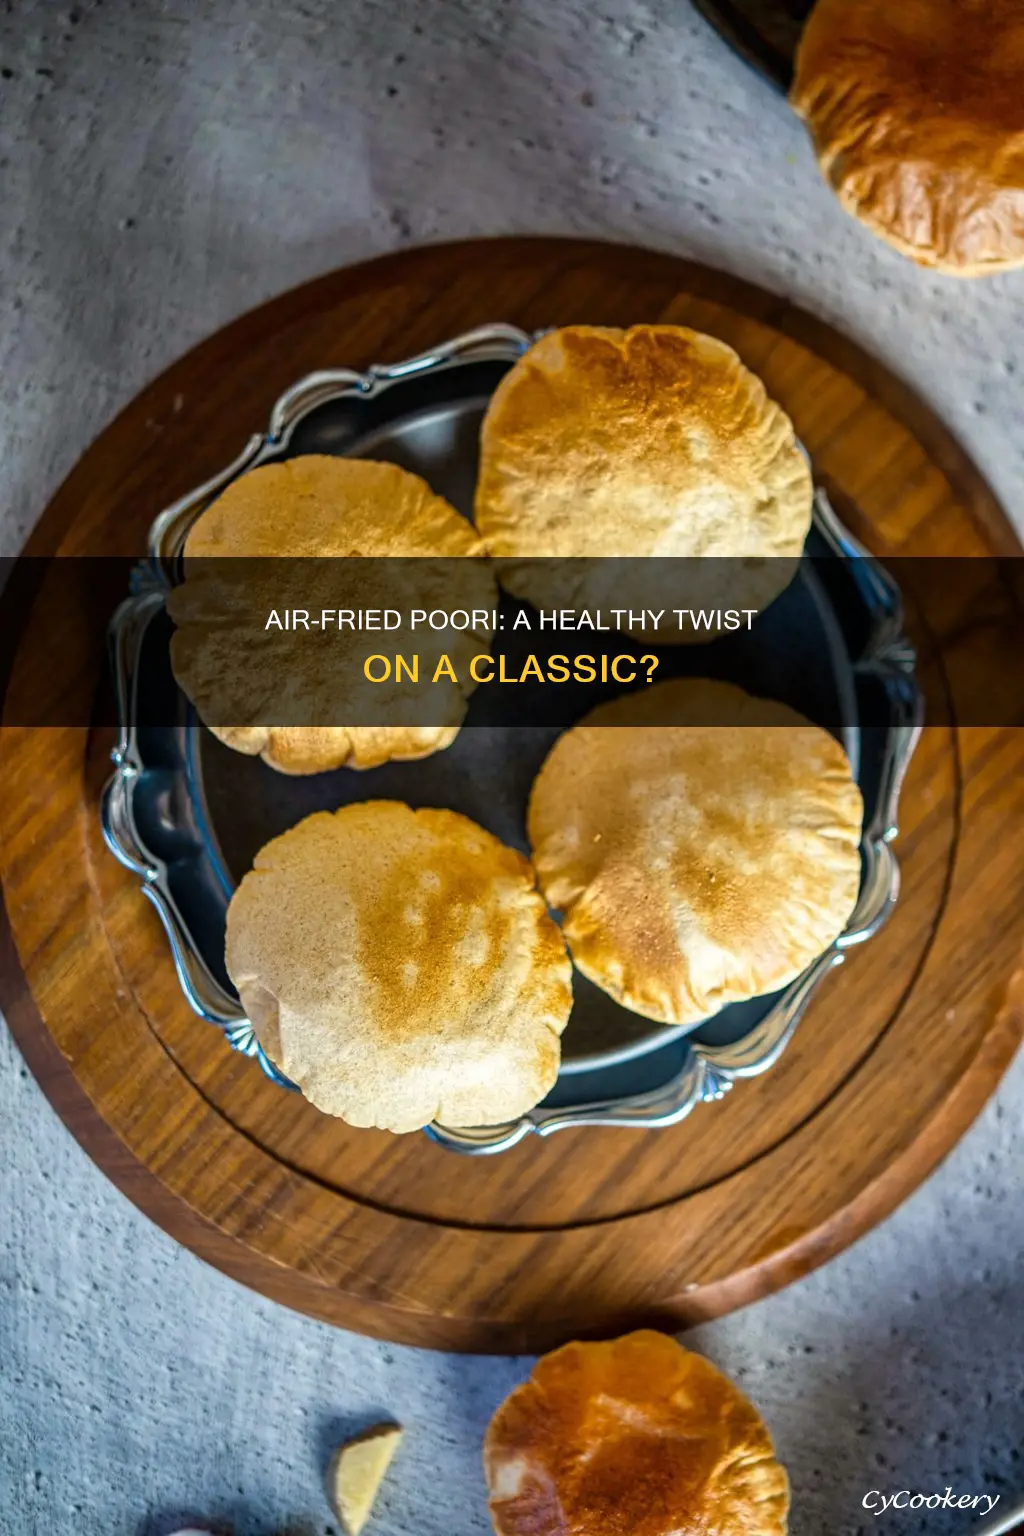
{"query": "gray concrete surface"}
{"type": "Point", "coordinates": [166, 166]}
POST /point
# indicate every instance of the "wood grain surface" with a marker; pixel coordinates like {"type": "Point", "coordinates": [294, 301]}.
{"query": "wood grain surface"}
{"type": "Point", "coordinates": [595, 1229]}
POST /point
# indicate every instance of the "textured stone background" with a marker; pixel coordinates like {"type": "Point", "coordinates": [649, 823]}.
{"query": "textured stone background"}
{"type": "Point", "coordinates": [163, 168]}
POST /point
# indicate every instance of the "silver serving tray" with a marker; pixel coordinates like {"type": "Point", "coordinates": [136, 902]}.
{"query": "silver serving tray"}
{"type": "Point", "coordinates": [159, 808]}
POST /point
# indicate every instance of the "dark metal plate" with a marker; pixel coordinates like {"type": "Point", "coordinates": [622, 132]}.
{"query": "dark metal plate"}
{"type": "Point", "coordinates": [764, 32]}
{"type": "Point", "coordinates": [189, 814]}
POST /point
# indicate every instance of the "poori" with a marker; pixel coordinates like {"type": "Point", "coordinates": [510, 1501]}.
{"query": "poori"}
{"type": "Point", "coordinates": [324, 525]}
{"type": "Point", "coordinates": [602, 446]}
{"type": "Point", "coordinates": [916, 111]}
{"type": "Point", "coordinates": [634, 1437]}
{"type": "Point", "coordinates": [399, 967]}
{"type": "Point", "coordinates": [701, 845]}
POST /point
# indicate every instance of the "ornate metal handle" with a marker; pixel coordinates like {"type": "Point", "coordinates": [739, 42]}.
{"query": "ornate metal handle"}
{"type": "Point", "coordinates": [488, 343]}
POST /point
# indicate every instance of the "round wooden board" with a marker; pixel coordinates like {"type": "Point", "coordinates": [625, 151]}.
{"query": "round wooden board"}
{"type": "Point", "coordinates": [595, 1229]}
